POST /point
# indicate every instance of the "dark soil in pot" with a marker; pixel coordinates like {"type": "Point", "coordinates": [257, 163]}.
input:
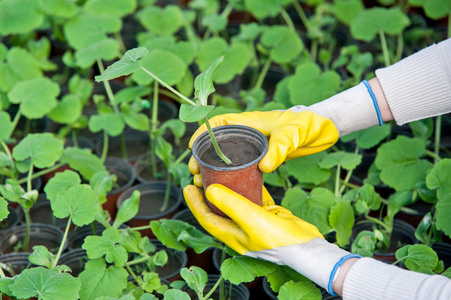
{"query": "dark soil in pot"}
{"type": "Point", "coordinates": [238, 292]}
{"type": "Point", "coordinates": [40, 234]}
{"type": "Point", "coordinates": [144, 172]}
{"type": "Point", "coordinates": [16, 262]}
{"type": "Point", "coordinates": [42, 213]}
{"type": "Point", "coordinates": [11, 220]}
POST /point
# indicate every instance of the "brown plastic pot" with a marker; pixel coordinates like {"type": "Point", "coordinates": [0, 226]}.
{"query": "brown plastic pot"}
{"type": "Point", "coordinates": [246, 179]}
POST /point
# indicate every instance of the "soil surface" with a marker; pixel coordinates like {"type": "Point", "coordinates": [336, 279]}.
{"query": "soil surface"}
{"type": "Point", "coordinates": [238, 151]}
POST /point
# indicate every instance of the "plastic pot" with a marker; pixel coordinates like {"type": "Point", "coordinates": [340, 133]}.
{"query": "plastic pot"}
{"type": "Point", "coordinates": [268, 290]}
{"type": "Point", "coordinates": [244, 178]}
{"type": "Point", "coordinates": [238, 292]}
{"type": "Point", "coordinates": [75, 259]}
{"type": "Point", "coordinates": [16, 262]}
{"type": "Point", "coordinates": [42, 213]}
{"type": "Point", "coordinates": [40, 234]}
{"type": "Point", "coordinates": [443, 251]}
{"type": "Point", "coordinates": [10, 221]}
{"type": "Point", "coordinates": [125, 177]}
{"type": "Point", "coordinates": [151, 200]}
{"type": "Point", "coordinates": [177, 260]}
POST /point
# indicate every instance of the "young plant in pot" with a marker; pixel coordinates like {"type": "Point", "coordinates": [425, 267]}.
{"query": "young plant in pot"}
{"type": "Point", "coordinates": [207, 144]}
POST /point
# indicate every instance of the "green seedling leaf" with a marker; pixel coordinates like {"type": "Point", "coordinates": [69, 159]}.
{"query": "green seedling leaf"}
{"type": "Point", "coordinates": [41, 257]}
{"type": "Point", "coordinates": [128, 64]}
{"type": "Point", "coordinates": [313, 208]}
{"type": "Point", "coordinates": [81, 87]}
{"type": "Point", "coordinates": [364, 244]}
{"type": "Point", "coordinates": [306, 169]}
{"type": "Point", "coordinates": [195, 277]}
{"type": "Point", "coordinates": [396, 201]}
{"type": "Point", "coordinates": [418, 257]}
{"type": "Point", "coordinates": [61, 182]}
{"type": "Point", "coordinates": [112, 123]}
{"type": "Point", "coordinates": [4, 212]}
{"type": "Point", "coordinates": [177, 127]}
{"type": "Point", "coordinates": [367, 199]}
{"type": "Point", "coordinates": [83, 161]}
{"type": "Point", "coordinates": [282, 275]}
{"type": "Point", "coordinates": [45, 284]}
{"type": "Point", "coordinates": [136, 121]}
{"type": "Point", "coordinates": [198, 241]}
{"type": "Point", "coordinates": [163, 150]}
{"type": "Point", "coordinates": [107, 245]}
{"type": "Point", "coordinates": [6, 125]}
{"type": "Point", "coordinates": [36, 97]}
{"type": "Point", "coordinates": [215, 23]}
{"type": "Point", "coordinates": [160, 258]}
{"type": "Point", "coordinates": [308, 85]}
{"type": "Point", "coordinates": [167, 20]}
{"type": "Point", "coordinates": [240, 269]}
{"type": "Point", "coordinates": [40, 49]}
{"type": "Point", "coordinates": [151, 282]}
{"type": "Point", "coordinates": [131, 240]}
{"type": "Point", "coordinates": [422, 129]}
{"type": "Point", "coordinates": [116, 8]}
{"type": "Point", "coordinates": [193, 113]}
{"type": "Point", "coordinates": [341, 219]}
{"type": "Point", "coordinates": [400, 163]}
{"type": "Point", "coordinates": [203, 84]}
{"type": "Point", "coordinates": [370, 137]}
{"type": "Point", "coordinates": [19, 17]}
{"type": "Point", "coordinates": [59, 8]}
{"type": "Point", "coordinates": [346, 160]}
{"type": "Point", "coordinates": [434, 9]}
{"type": "Point", "coordinates": [5, 282]}
{"type": "Point", "coordinates": [347, 10]}
{"type": "Point", "coordinates": [68, 110]}
{"type": "Point", "coordinates": [129, 94]}
{"type": "Point", "coordinates": [43, 149]}
{"type": "Point", "coordinates": [128, 209]}
{"type": "Point", "coordinates": [284, 44]}
{"type": "Point", "coordinates": [439, 178]}
{"type": "Point", "coordinates": [77, 202]}
{"type": "Point", "coordinates": [264, 8]}
{"type": "Point", "coordinates": [97, 280]}
{"type": "Point", "coordinates": [371, 21]}
{"type": "Point", "coordinates": [173, 294]}
{"type": "Point", "coordinates": [299, 290]}
{"type": "Point", "coordinates": [13, 192]}
{"type": "Point", "coordinates": [102, 183]}
{"type": "Point", "coordinates": [19, 65]}
{"type": "Point", "coordinates": [443, 216]}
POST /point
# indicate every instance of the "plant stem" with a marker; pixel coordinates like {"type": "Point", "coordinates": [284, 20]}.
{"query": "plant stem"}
{"type": "Point", "coordinates": [302, 15]}
{"type": "Point", "coordinates": [182, 156]}
{"type": "Point", "coordinates": [213, 288]}
{"type": "Point", "coordinates": [107, 86]}
{"type": "Point", "coordinates": [337, 183]}
{"type": "Point", "coordinates": [384, 48]}
{"type": "Point", "coordinates": [131, 272]}
{"type": "Point", "coordinates": [287, 19]}
{"type": "Point", "coordinates": [400, 47]}
{"type": "Point", "coordinates": [42, 172]}
{"type": "Point", "coordinates": [105, 146]}
{"type": "Point", "coordinates": [153, 128]}
{"type": "Point", "coordinates": [60, 250]}
{"type": "Point", "coordinates": [215, 143]}
{"type": "Point", "coordinates": [438, 133]}
{"type": "Point", "coordinates": [263, 73]}
{"type": "Point", "coordinates": [167, 193]}
{"type": "Point", "coordinates": [26, 212]}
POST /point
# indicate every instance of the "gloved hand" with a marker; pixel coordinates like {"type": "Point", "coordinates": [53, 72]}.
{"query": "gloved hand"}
{"type": "Point", "coordinates": [270, 232]}
{"type": "Point", "coordinates": [290, 135]}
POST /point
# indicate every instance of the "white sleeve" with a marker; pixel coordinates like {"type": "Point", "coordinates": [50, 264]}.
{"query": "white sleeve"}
{"type": "Point", "coordinates": [419, 86]}
{"type": "Point", "coordinates": [372, 279]}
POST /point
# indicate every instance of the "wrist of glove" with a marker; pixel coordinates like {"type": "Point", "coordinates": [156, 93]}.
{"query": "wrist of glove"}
{"type": "Point", "coordinates": [351, 110]}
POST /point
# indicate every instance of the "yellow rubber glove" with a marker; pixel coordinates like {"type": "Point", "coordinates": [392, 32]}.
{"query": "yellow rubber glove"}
{"type": "Point", "coordinates": [290, 135]}
{"type": "Point", "coordinates": [270, 232]}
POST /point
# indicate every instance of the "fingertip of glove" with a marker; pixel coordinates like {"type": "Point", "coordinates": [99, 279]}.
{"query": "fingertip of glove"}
{"type": "Point", "coordinates": [193, 166]}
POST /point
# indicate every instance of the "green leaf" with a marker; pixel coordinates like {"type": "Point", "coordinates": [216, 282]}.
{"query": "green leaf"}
{"type": "Point", "coordinates": [284, 44]}
{"type": "Point", "coordinates": [61, 182]}
{"type": "Point", "coordinates": [128, 64]}
{"type": "Point", "coordinates": [19, 16]}
{"type": "Point", "coordinates": [306, 169]}
{"type": "Point", "coordinates": [347, 10]}
{"type": "Point", "coordinates": [116, 8]}
{"type": "Point", "coordinates": [313, 208]}
{"type": "Point", "coordinates": [97, 280]}
{"type": "Point", "coordinates": [203, 84]}
{"type": "Point", "coordinates": [240, 269]}
{"type": "Point", "coordinates": [59, 8]}
{"type": "Point", "coordinates": [440, 178]}
{"type": "Point", "coordinates": [136, 121]}
{"type": "Point", "coordinates": [417, 257]}
{"type": "Point", "coordinates": [309, 86]}
{"type": "Point", "coordinates": [36, 97]}
{"type": "Point", "coordinates": [264, 8]}
{"type": "Point", "coordinates": [112, 123]}
{"type": "Point", "coordinates": [83, 161]}
{"type": "Point", "coordinates": [434, 9]}
{"type": "Point", "coordinates": [78, 202]}
{"type": "Point", "coordinates": [102, 183]}
{"type": "Point", "coordinates": [107, 245]}
{"type": "Point", "coordinates": [45, 284]}
{"type": "Point", "coordinates": [5, 283]}
{"type": "Point", "coordinates": [341, 219]}
{"type": "Point", "coordinates": [443, 214]}
{"type": "Point", "coordinates": [128, 209]}
{"type": "Point", "coordinates": [43, 149]}
{"type": "Point", "coordinates": [282, 275]}
{"type": "Point", "coordinates": [195, 277]}
{"type": "Point", "coordinates": [346, 160]}
{"type": "Point", "coordinates": [370, 137]}
{"type": "Point", "coordinates": [299, 290]}
{"type": "Point", "coordinates": [6, 124]}
{"type": "Point", "coordinates": [396, 201]}
{"type": "Point", "coordinates": [400, 163]}
{"type": "Point", "coordinates": [106, 49]}
{"type": "Point", "coordinates": [193, 113]}
{"type": "Point", "coordinates": [41, 257]}
{"type": "Point", "coordinates": [4, 212]}
{"type": "Point", "coordinates": [161, 20]}
{"type": "Point", "coordinates": [173, 294]}
{"type": "Point", "coordinates": [67, 111]}
{"type": "Point", "coordinates": [371, 21]}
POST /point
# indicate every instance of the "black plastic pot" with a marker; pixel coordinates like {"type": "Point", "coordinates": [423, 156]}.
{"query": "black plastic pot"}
{"type": "Point", "coordinates": [177, 260]}
{"type": "Point", "coordinates": [11, 220]}
{"type": "Point", "coordinates": [16, 263]}
{"type": "Point", "coordinates": [42, 213]}
{"type": "Point", "coordinates": [268, 290]}
{"type": "Point", "coordinates": [238, 292]}
{"type": "Point", "coordinates": [40, 234]}
{"type": "Point", "coordinates": [151, 200]}
{"type": "Point", "coordinates": [443, 251]}
{"type": "Point", "coordinates": [144, 172]}
{"type": "Point", "coordinates": [75, 259]}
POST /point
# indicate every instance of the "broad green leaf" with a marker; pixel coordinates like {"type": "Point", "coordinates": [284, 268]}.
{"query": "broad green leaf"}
{"type": "Point", "coordinates": [108, 245]}
{"type": "Point", "coordinates": [440, 178]}
{"type": "Point", "coordinates": [282, 275]}
{"type": "Point", "coordinates": [102, 183]}
{"type": "Point", "coordinates": [347, 10]}
{"type": "Point", "coordinates": [174, 294]}
{"type": "Point", "coordinates": [203, 84]}
{"type": "Point", "coordinates": [284, 44]}
{"type": "Point", "coordinates": [309, 85]}
{"type": "Point", "coordinates": [177, 127]}
{"type": "Point", "coordinates": [434, 9]}
{"type": "Point", "coordinates": [299, 290]}
{"type": "Point", "coordinates": [67, 111]}
{"type": "Point", "coordinates": [215, 23]}
{"type": "Point", "coordinates": [417, 257]}
{"type": "Point", "coordinates": [264, 8]}
{"type": "Point", "coordinates": [97, 280]}
{"type": "Point", "coordinates": [81, 87]}
{"type": "Point", "coordinates": [396, 201]}
{"type": "Point", "coordinates": [83, 161]}
{"type": "Point", "coordinates": [367, 199]}
{"type": "Point", "coordinates": [43, 149]}
{"type": "Point", "coordinates": [306, 169]}
{"type": "Point", "coordinates": [313, 208]}
{"type": "Point", "coordinates": [116, 8]}
{"type": "Point", "coordinates": [400, 163]}
{"type": "Point", "coordinates": [371, 21]}
{"type": "Point", "coordinates": [423, 129]}
{"type": "Point", "coordinates": [77, 202]}
{"type": "Point", "coordinates": [161, 20]}
{"type": "Point", "coordinates": [112, 123]}
{"type": "Point", "coordinates": [370, 137]}
{"type": "Point", "coordinates": [106, 49]}
{"type": "Point", "coordinates": [443, 214]}
{"type": "Point", "coordinates": [346, 160]}
{"type": "Point", "coordinates": [59, 8]}
{"type": "Point", "coordinates": [249, 31]}
{"type": "Point", "coordinates": [131, 240]}
{"type": "Point", "coordinates": [128, 209]}
{"type": "Point", "coordinates": [341, 219]}
{"type": "Point", "coordinates": [5, 282]}
{"type": "Point", "coordinates": [167, 66]}
{"type": "Point", "coordinates": [19, 66]}
{"type": "Point", "coordinates": [137, 121]}
{"type": "Point", "coordinates": [128, 64]}
{"type": "Point", "coordinates": [364, 244]}
{"type": "Point", "coordinates": [240, 269]}
{"type": "Point", "coordinates": [19, 16]}
{"type": "Point", "coordinates": [6, 125]}
{"type": "Point", "coordinates": [195, 277]}
{"type": "Point", "coordinates": [198, 241]}
{"type": "Point", "coordinates": [193, 113]}
{"type": "Point", "coordinates": [41, 257]}
{"type": "Point", "coordinates": [4, 212]}
{"type": "Point", "coordinates": [45, 284]}
{"type": "Point", "coordinates": [131, 93]}
{"type": "Point", "coordinates": [151, 282]}
{"type": "Point", "coordinates": [61, 182]}
{"type": "Point", "coordinates": [36, 97]}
